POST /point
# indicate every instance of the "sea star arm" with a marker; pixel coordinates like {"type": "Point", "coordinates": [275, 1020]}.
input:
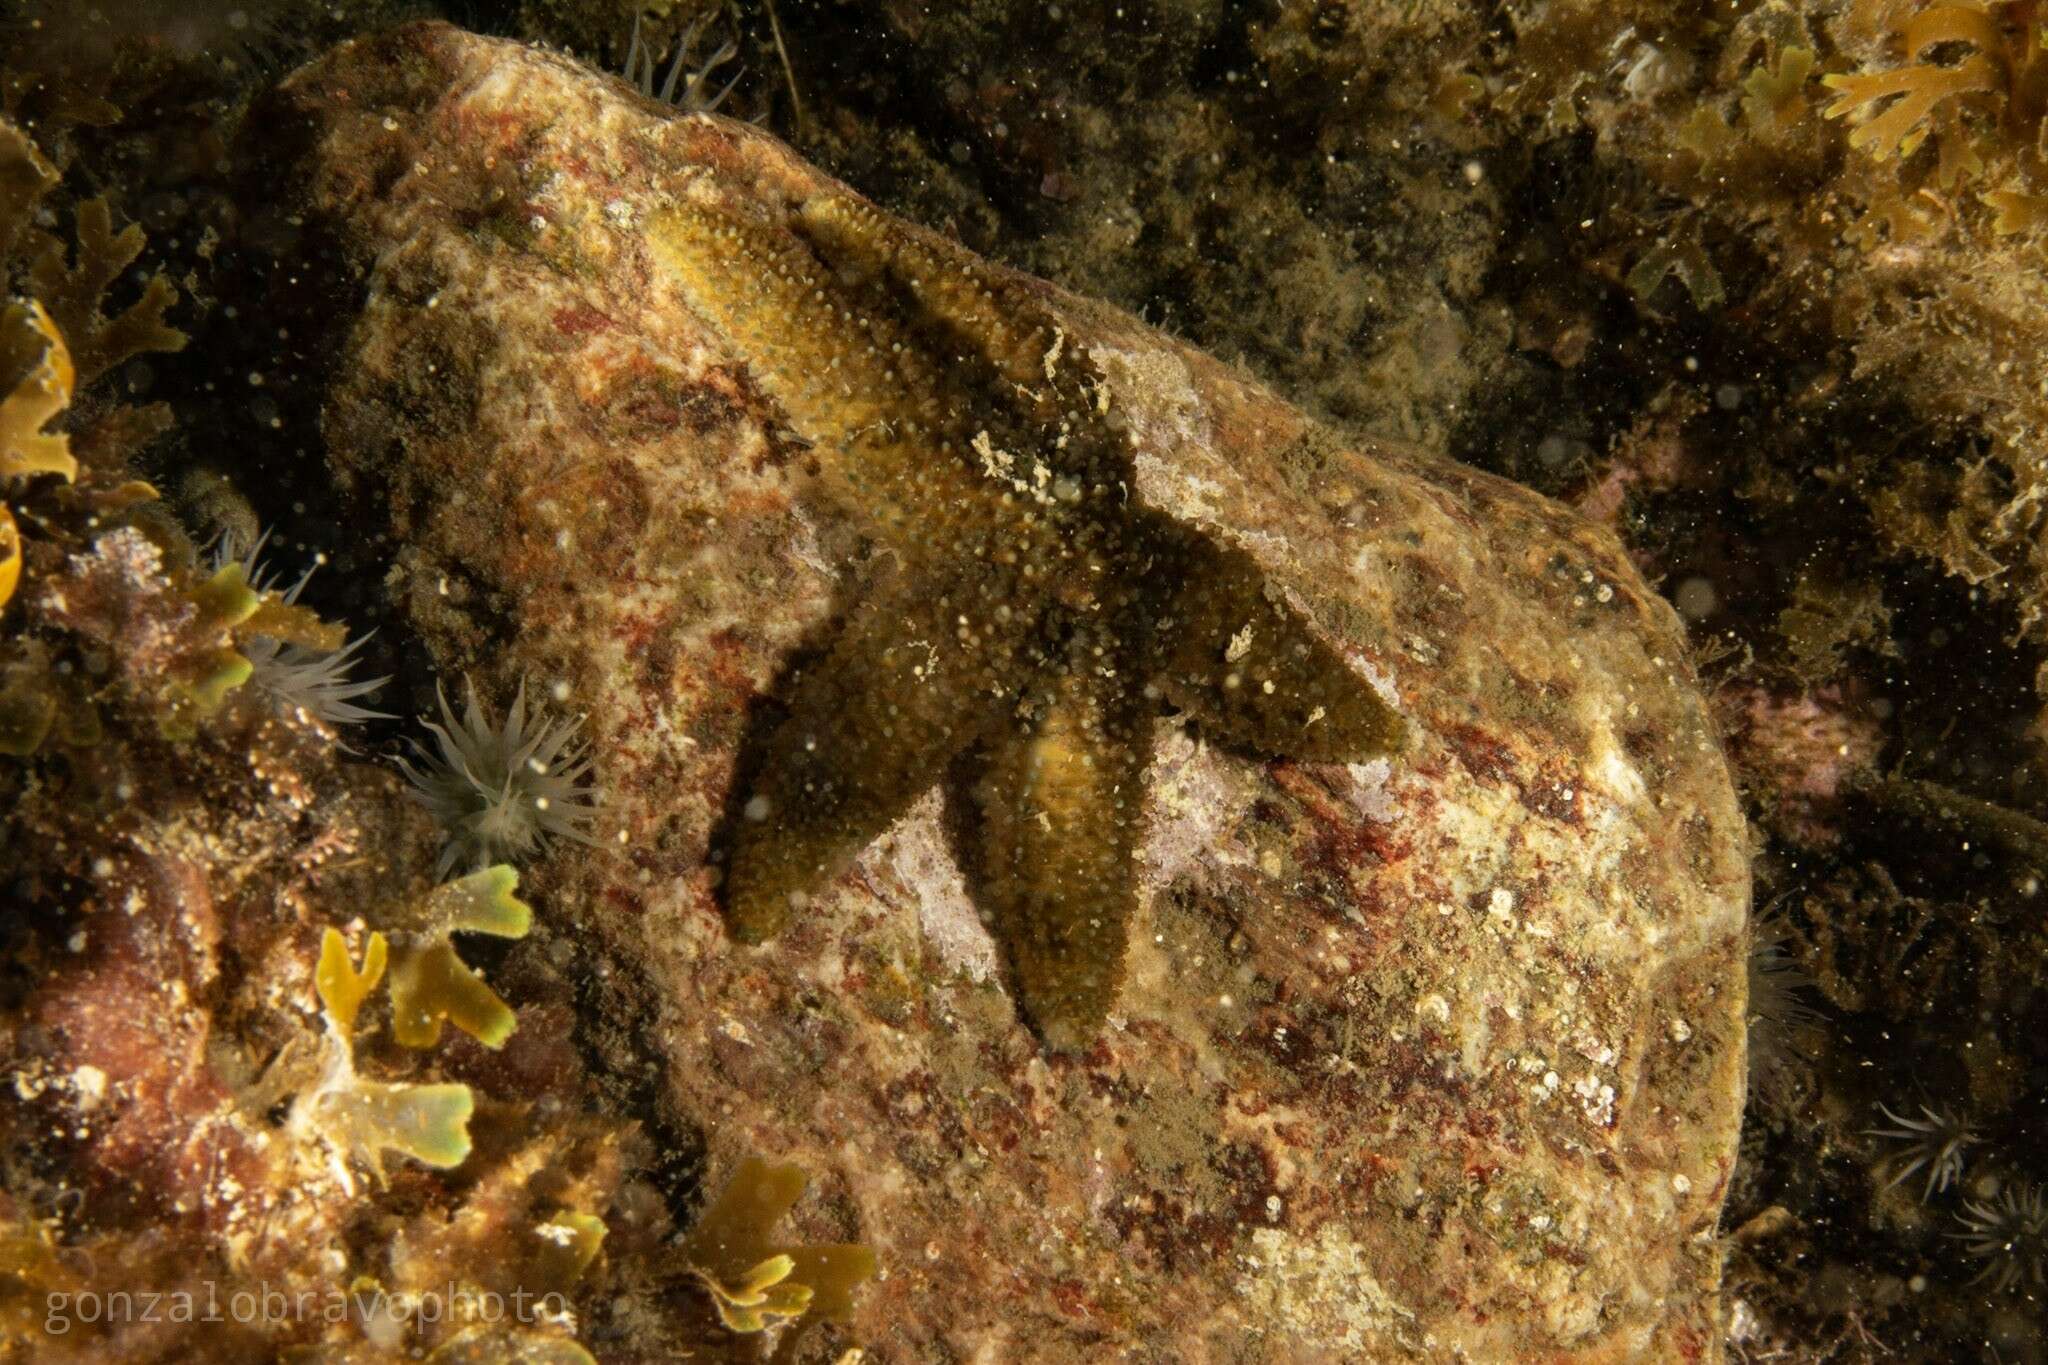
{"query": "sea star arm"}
{"type": "Point", "coordinates": [1247, 666]}
{"type": "Point", "coordinates": [918, 673]}
{"type": "Point", "coordinates": [1061, 798]}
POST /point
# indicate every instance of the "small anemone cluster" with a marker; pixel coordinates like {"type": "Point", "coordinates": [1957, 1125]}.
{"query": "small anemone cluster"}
{"type": "Point", "coordinates": [2007, 1229]}
{"type": "Point", "coordinates": [2000, 1213]}
{"type": "Point", "coordinates": [502, 792]}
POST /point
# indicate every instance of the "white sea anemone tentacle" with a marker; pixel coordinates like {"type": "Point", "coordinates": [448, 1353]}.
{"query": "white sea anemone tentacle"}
{"type": "Point", "coordinates": [502, 792]}
{"type": "Point", "coordinates": [1935, 1142]}
{"type": "Point", "coordinates": [2009, 1236]}
{"type": "Point", "coordinates": [315, 681]}
{"type": "Point", "coordinates": [694, 92]}
{"type": "Point", "coordinates": [1780, 1019]}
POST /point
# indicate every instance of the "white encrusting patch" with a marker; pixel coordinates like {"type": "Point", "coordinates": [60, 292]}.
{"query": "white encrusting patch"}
{"type": "Point", "coordinates": [1198, 796]}
{"type": "Point", "coordinates": [917, 853]}
{"type": "Point", "coordinates": [1369, 789]}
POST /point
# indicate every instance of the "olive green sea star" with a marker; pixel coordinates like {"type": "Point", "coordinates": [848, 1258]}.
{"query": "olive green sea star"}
{"type": "Point", "coordinates": [1036, 613]}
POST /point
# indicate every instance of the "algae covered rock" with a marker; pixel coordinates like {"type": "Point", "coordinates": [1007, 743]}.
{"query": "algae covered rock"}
{"type": "Point", "coordinates": [992, 631]}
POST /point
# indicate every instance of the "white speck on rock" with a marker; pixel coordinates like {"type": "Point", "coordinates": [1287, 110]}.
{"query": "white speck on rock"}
{"type": "Point", "coordinates": [1596, 1098]}
{"type": "Point", "coordinates": [89, 1083]}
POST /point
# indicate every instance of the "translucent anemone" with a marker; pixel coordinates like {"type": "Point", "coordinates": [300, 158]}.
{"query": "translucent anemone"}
{"type": "Point", "coordinates": [1935, 1142]}
{"type": "Point", "coordinates": [502, 792]}
{"type": "Point", "coordinates": [694, 92]}
{"type": "Point", "coordinates": [2009, 1236]}
{"type": "Point", "coordinates": [1779, 1016]}
{"type": "Point", "coordinates": [315, 681]}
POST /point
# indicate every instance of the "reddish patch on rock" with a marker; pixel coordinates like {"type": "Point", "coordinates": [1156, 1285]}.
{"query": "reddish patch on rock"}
{"type": "Point", "coordinates": [580, 319]}
{"type": "Point", "coordinates": [539, 1060]}
{"type": "Point", "coordinates": [1483, 756]}
{"type": "Point", "coordinates": [1183, 1230]}
{"type": "Point", "coordinates": [1557, 796]}
{"type": "Point", "coordinates": [729, 665]}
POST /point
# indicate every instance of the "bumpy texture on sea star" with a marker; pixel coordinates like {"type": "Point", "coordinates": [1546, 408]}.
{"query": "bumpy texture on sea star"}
{"type": "Point", "coordinates": [1033, 615]}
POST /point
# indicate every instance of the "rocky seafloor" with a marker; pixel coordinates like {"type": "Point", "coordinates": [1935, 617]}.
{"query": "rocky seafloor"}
{"type": "Point", "coordinates": [1179, 681]}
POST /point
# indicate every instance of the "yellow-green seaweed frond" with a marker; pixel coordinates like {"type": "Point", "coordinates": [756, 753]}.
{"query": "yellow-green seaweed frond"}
{"type": "Point", "coordinates": [32, 1269]}
{"type": "Point", "coordinates": [1772, 97]}
{"type": "Point", "coordinates": [571, 1240]}
{"type": "Point", "coordinates": [26, 175]}
{"type": "Point", "coordinates": [429, 980]}
{"type": "Point", "coordinates": [754, 1281]}
{"type": "Point", "coordinates": [761, 1297]}
{"type": "Point", "coordinates": [2004, 60]}
{"type": "Point", "coordinates": [341, 986]}
{"type": "Point", "coordinates": [2017, 211]}
{"type": "Point", "coordinates": [203, 678]}
{"type": "Point", "coordinates": [10, 555]}
{"type": "Point", "coordinates": [1680, 254]}
{"type": "Point", "coordinates": [75, 290]}
{"type": "Point", "coordinates": [362, 1119]}
{"type": "Point", "coordinates": [429, 1123]}
{"type": "Point", "coordinates": [481, 903]}
{"type": "Point", "coordinates": [226, 598]}
{"type": "Point", "coordinates": [35, 360]}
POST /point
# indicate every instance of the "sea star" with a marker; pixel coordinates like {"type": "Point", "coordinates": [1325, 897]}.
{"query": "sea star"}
{"type": "Point", "coordinates": [1035, 616]}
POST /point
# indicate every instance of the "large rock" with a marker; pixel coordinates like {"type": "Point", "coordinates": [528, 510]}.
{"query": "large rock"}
{"type": "Point", "coordinates": [1435, 1053]}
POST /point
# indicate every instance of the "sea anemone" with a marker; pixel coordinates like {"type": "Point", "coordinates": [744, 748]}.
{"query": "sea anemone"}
{"type": "Point", "coordinates": [315, 681]}
{"type": "Point", "coordinates": [692, 94]}
{"type": "Point", "coordinates": [1936, 1142]}
{"type": "Point", "coordinates": [1778, 1015]}
{"type": "Point", "coordinates": [2010, 1236]}
{"type": "Point", "coordinates": [501, 793]}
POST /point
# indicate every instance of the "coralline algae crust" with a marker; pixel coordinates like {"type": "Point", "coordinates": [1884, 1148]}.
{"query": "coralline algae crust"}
{"type": "Point", "coordinates": [1465, 1028]}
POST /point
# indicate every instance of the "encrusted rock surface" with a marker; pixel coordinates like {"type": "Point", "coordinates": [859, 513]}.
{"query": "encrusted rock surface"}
{"type": "Point", "coordinates": [1432, 1055]}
